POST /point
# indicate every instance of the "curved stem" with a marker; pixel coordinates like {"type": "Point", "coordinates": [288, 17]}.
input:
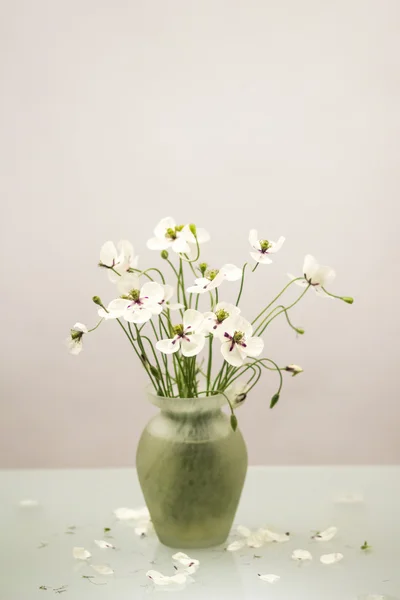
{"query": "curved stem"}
{"type": "Point", "coordinates": [276, 298]}
{"type": "Point", "coordinates": [96, 326]}
{"type": "Point", "coordinates": [267, 322]}
{"type": "Point", "coordinates": [241, 284]}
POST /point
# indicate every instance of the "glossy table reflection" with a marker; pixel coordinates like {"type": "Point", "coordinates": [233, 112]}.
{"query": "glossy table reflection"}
{"type": "Point", "coordinates": [74, 507]}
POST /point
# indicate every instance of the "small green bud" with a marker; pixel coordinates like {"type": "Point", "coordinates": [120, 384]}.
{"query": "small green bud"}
{"type": "Point", "coordinates": [179, 227]}
{"type": "Point", "coordinates": [170, 233]}
{"type": "Point", "coordinates": [107, 529]}
{"type": "Point", "coordinates": [274, 400]}
{"type": "Point", "coordinates": [299, 330]}
{"type": "Point", "coordinates": [76, 335]}
{"type": "Point", "coordinates": [97, 300]}
{"type": "Point", "coordinates": [365, 546]}
{"type": "Point", "coordinates": [211, 274]}
{"type": "Point", "coordinates": [164, 254]}
{"type": "Point", "coordinates": [234, 422]}
{"type": "Point", "coordinates": [203, 267]}
{"type": "Point", "coordinates": [265, 244]}
{"type": "Point", "coordinates": [193, 229]}
{"type": "Point", "coordinates": [348, 299]}
{"type": "Point", "coordinates": [154, 372]}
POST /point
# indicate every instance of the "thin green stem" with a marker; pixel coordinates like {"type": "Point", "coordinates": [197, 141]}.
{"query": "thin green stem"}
{"type": "Point", "coordinates": [209, 364]}
{"type": "Point", "coordinates": [96, 326]}
{"type": "Point", "coordinates": [276, 298]}
{"type": "Point", "coordinates": [255, 267]}
{"type": "Point", "coordinates": [267, 322]}
{"type": "Point", "coordinates": [241, 284]}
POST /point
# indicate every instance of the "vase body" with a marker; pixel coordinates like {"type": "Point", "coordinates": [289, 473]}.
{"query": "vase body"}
{"type": "Point", "coordinates": [191, 467]}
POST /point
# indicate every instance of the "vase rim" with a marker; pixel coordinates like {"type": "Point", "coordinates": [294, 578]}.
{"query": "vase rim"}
{"type": "Point", "coordinates": [187, 405]}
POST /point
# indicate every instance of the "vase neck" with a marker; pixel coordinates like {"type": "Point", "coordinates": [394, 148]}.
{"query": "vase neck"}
{"type": "Point", "coordinates": [188, 406]}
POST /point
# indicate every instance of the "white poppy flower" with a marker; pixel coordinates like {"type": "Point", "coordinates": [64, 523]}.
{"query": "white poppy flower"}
{"type": "Point", "coordinates": [102, 569]}
{"type": "Point", "coordinates": [327, 535]}
{"type": "Point", "coordinates": [80, 553]}
{"type": "Point", "coordinates": [213, 278]}
{"type": "Point", "coordinates": [179, 238]}
{"type": "Point", "coordinates": [186, 338]}
{"type": "Point", "coordinates": [331, 559]}
{"type": "Point", "coordinates": [103, 544]}
{"type": "Point", "coordinates": [137, 303]}
{"type": "Point", "coordinates": [74, 342]}
{"type": "Point", "coordinates": [301, 555]}
{"type": "Point", "coordinates": [236, 545]}
{"type": "Point", "coordinates": [168, 293]}
{"type": "Point", "coordinates": [269, 578]}
{"type": "Point", "coordinates": [118, 261]}
{"type": "Point", "coordinates": [238, 342]}
{"type": "Point", "coordinates": [316, 275]}
{"type": "Point", "coordinates": [261, 248]}
{"type": "Point", "coordinates": [214, 320]}
{"type": "Point", "coordinates": [190, 565]}
{"type": "Point", "coordinates": [127, 514]}
{"type": "Point", "coordinates": [160, 579]}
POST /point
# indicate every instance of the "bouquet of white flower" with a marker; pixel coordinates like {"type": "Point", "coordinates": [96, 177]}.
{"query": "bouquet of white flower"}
{"type": "Point", "coordinates": [167, 337]}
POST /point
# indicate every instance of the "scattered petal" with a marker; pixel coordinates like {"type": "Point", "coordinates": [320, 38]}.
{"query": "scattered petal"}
{"type": "Point", "coordinates": [301, 555]}
{"type": "Point", "coordinates": [244, 531]}
{"type": "Point", "coordinates": [275, 537]}
{"type": "Point", "coordinates": [237, 545]}
{"type": "Point", "coordinates": [256, 539]}
{"type": "Point", "coordinates": [103, 544]}
{"type": "Point", "coordinates": [190, 564]}
{"type": "Point", "coordinates": [144, 528]}
{"type": "Point", "coordinates": [102, 569]}
{"type": "Point", "coordinates": [325, 536]}
{"type": "Point", "coordinates": [270, 578]}
{"type": "Point", "coordinates": [80, 553]}
{"type": "Point", "coordinates": [331, 559]}
{"type": "Point", "coordinates": [160, 579]}
{"type": "Point", "coordinates": [28, 503]}
{"type": "Point", "coordinates": [126, 514]}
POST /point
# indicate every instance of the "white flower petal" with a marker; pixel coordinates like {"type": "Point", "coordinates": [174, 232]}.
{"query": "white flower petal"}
{"type": "Point", "coordinates": [192, 320]}
{"type": "Point", "coordinates": [256, 539]}
{"type": "Point", "coordinates": [108, 254]}
{"type": "Point", "coordinates": [310, 266]}
{"type": "Point", "coordinates": [275, 246]}
{"type": "Point", "coordinates": [190, 564]}
{"type": "Point", "coordinates": [236, 545]}
{"type": "Point", "coordinates": [28, 503]}
{"type": "Point", "coordinates": [269, 578]}
{"type": "Point", "coordinates": [254, 346]}
{"type": "Point", "coordinates": [273, 536]}
{"type": "Point", "coordinates": [193, 345]}
{"type": "Point", "coordinates": [253, 239]}
{"type": "Point", "coordinates": [180, 245]}
{"type": "Point", "coordinates": [144, 528]}
{"type": "Point", "coordinates": [153, 291]}
{"type": "Point", "coordinates": [261, 257]}
{"type": "Point", "coordinates": [169, 346]}
{"type": "Point", "coordinates": [196, 289]}
{"type": "Point", "coordinates": [80, 327]}
{"type": "Point", "coordinates": [331, 559]}
{"type": "Point", "coordinates": [301, 555]}
{"type": "Point", "coordinates": [168, 291]}
{"type": "Point", "coordinates": [75, 347]}
{"type": "Point", "coordinates": [325, 536]}
{"type": "Point", "coordinates": [163, 225]}
{"type": "Point", "coordinates": [323, 276]}
{"type": "Point", "coordinates": [241, 529]}
{"type": "Point", "coordinates": [138, 314]}
{"type": "Point", "coordinates": [174, 306]}
{"type": "Point", "coordinates": [301, 282]}
{"type": "Point", "coordinates": [80, 553]}
{"type": "Point", "coordinates": [202, 235]}
{"type": "Point", "coordinates": [160, 579]}
{"type": "Point", "coordinates": [216, 282]}
{"type": "Point", "coordinates": [102, 569]}
{"type": "Point", "coordinates": [157, 243]}
{"type": "Point", "coordinates": [103, 544]}
{"type": "Point", "coordinates": [125, 514]}
{"type": "Point", "coordinates": [128, 282]}
{"type": "Point", "coordinates": [232, 354]}
{"type": "Point", "coordinates": [231, 272]}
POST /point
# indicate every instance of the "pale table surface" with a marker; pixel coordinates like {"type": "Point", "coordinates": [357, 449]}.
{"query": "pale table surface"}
{"type": "Point", "coordinates": [36, 548]}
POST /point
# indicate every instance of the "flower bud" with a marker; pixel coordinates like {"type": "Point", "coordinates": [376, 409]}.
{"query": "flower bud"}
{"type": "Point", "coordinates": [154, 372]}
{"type": "Point", "coordinates": [193, 229]}
{"type": "Point", "coordinates": [294, 369]}
{"type": "Point", "coordinates": [97, 300]}
{"type": "Point", "coordinates": [299, 330]}
{"type": "Point", "coordinates": [274, 400]}
{"type": "Point", "coordinates": [203, 267]}
{"type": "Point", "coordinates": [348, 299]}
{"type": "Point", "coordinates": [164, 254]}
{"type": "Point", "coordinates": [234, 422]}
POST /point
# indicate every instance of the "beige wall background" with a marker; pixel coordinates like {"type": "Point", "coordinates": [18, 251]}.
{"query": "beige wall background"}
{"type": "Point", "coordinates": [278, 115]}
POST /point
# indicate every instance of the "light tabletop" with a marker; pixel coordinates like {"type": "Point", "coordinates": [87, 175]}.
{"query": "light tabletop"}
{"type": "Point", "coordinates": [73, 507]}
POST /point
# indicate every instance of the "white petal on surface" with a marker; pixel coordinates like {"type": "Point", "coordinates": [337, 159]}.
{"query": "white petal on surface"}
{"type": "Point", "coordinates": [331, 559]}
{"type": "Point", "coordinates": [28, 503]}
{"type": "Point", "coordinates": [241, 529]}
{"type": "Point", "coordinates": [143, 528]}
{"type": "Point", "coordinates": [194, 345]}
{"type": "Point", "coordinates": [80, 553]}
{"type": "Point", "coordinates": [152, 290]}
{"type": "Point", "coordinates": [190, 564]}
{"type": "Point", "coordinates": [256, 539]}
{"type": "Point", "coordinates": [254, 346]}
{"type": "Point", "coordinates": [108, 254]}
{"type": "Point", "coordinates": [301, 555]}
{"type": "Point", "coordinates": [236, 545]}
{"type": "Point", "coordinates": [232, 356]}
{"type": "Point", "coordinates": [269, 578]}
{"type": "Point", "coordinates": [274, 536]}
{"type": "Point", "coordinates": [325, 536]}
{"type": "Point", "coordinates": [253, 239]}
{"type": "Point", "coordinates": [103, 544]}
{"type": "Point", "coordinates": [231, 272]}
{"type": "Point", "coordinates": [125, 514]}
{"type": "Point", "coordinates": [241, 324]}
{"type": "Point", "coordinates": [160, 579]}
{"type": "Point", "coordinates": [261, 257]}
{"type": "Point", "coordinates": [192, 319]}
{"type": "Point", "coordinates": [168, 346]}
{"type": "Point", "coordinates": [102, 569]}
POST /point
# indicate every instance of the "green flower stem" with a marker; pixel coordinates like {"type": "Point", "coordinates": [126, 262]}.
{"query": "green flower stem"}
{"type": "Point", "coordinates": [284, 309]}
{"type": "Point", "coordinates": [255, 267]}
{"type": "Point", "coordinates": [209, 364]}
{"type": "Point", "coordinates": [346, 299]}
{"type": "Point", "coordinates": [96, 326]}
{"type": "Point", "coordinates": [192, 260]}
{"type": "Point", "coordinates": [216, 296]}
{"type": "Point", "coordinates": [267, 322]}
{"type": "Point", "coordinates": [138, 354]}
{"type": "Point", "coordinates": [154, 269]}
{"type": "Point", "coordinates": [276, 298]}
{"type": "Point", "coordinates": [182, 282]}
{"type": "Point", "coordinates": [241, 284]}
{"type": "Point", "coordinates": [161, 374]}
{"type": "Point", "coordinates": [132, 270]}
{"type": "Point", "coordinates": [178, 289]}
{"type": "Point", "coordinates": [197, 302]}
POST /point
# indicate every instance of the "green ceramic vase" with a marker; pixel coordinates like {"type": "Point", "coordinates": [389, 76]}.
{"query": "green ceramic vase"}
{"type": "Point", "coordinates": [191, 467]}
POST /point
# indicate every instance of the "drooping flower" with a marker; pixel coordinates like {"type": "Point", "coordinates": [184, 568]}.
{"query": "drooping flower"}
{"type": "Point", "coordinates": [315, 275]}
{"type": "Point", "coordinates": [118, 260]}
{"type": "Point", "coordinates": [188, 336]}
{"type": "Point", "coordinates": [331, 559]}
{"type": "Point", "coordinates": [269, 578]}
{"type": "Point", "coordinates": [213, 320]}
{"type": "Point", "coordinates": [80, 553]}
{"type": "Point", "coordinates": [238, 342]}
{"type": "Point", "coordinates": [189, 565]}
{"type": "Point", "coordinates": [160, 579]}
{"type": "Point", "coordinates": [301, 555]}
{"type": "Point", "coordinates": [74, 341]}
{"type": "Point", "coordinates": [325, 536]}
{"type": "Point", "coordinates": [213, 278]}
{"type": "Point", "coordinates": [165, 302]}
{"type": "Point", "coordinates": [262, 248]}
{"type": "Point", "coordinates": [137, 303]}
{"type": "Point", "coordinates": [179, 238]}
{"type": "Point", "coordinates": [294, 369]}
{"type": "Point", "coordinates": [237, 392]}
